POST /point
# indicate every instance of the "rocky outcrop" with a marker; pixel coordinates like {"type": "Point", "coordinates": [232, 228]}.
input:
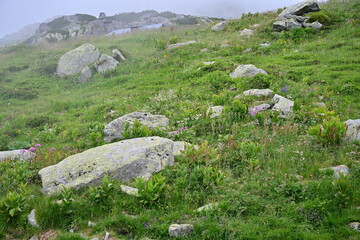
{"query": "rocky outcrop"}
{"type": "Point", "coordinates": [247, 70]}
{"type": "Point", "coordinates": [353, 130]}
{"type": "Point", "coordinates": [22, 155]}
{"type": "Point", "coordinates": [282, 105]}
{"type": "Point", "coordinates": [180, 230]}
{"type": "Point", "coordinates": [77, 59]}
{"type": "Point", "coordinates": [220, 26]}
{"type": "Point", "coordinates": [125, 160]}
{"type": "Point", "coordinates": [286, 24]}
{"type": "Point", "coordinates": [215, 111]}
{"type": "Point", "coordinates": [105, 63]}
{"type": "Point", "coordinates": [115, 129]}
{"type": "Point", "coordinates": [177, 45]}
{"type": "Point", "coordinates": [85, 75]}
{"type": "Point", "coordinates": [299, 9]}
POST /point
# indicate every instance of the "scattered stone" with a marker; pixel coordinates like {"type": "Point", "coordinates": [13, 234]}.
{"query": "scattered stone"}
{"type": "Point", "coordinates": [267, 44]}
{"type": "Point", "coordinates": [355, 226]}
{"type": "Point", "coordinates": [95, 239]}
{"type": "Point", "coordinates": [204, 50]}
{"type": "Point", "coordinates": [176, 45]}
{"type": "Point", "coordinates": [343, 169]}
{"type": "Point", "coordinates": [117, 55]}
{"type": "Point", "coordinates": [220, 26]}
{"type": "Point", "coordinates": [208, 207]}
{"type": "Point", "coordinates": [315, 25]}
{"type": "Point", "coordinates": [247, 70]}
{"type": "Point", "coordinates": [125, 160]}
{"type": "Point", "coordinates": [246, 32]}
{"type": "Point", "coordinates": [255, 26]}
{"type": "Point", "coordinates": [296, 50]}
{"type": "Point", "coordinates": [320, 104]}
{"type": "Point", "coordinates": [75, 60]}
{"type": "Point", "coordinates": [71, 230]}
{"type": "Point", "coordinates": [215, 111]}
{"type": "Point", "coordinates": [209, 63]}
{"type": "Point", "coordinates": [283, 105]}
{"type": "Point", "coordinates": [287, 24]}
{"type": "Point", "coordinates": [180, 230]}
{"type": "Point", "coordinates": [48, 235]}
{"type": "Point", "coordinates": [300, 9]}
{"type": "Point", "coordinates": [247, 50]}
{"type": "Point", "coordinates": [225, 45]}
{"type": "Point", "coordinates": [352, 130]}
{"type": "Point", "coordinates": [105, 63]}
{"type": "Point", "coordinates": [91, 224]}
{"type": "Point", "coordinates": [32, 219]}
{"type": "Point", "coordinates": [34, 238]}
{"type": "Point", "coordinates": [85, 75]}
{"type": "Point", "coordinates": [259, 92]}
{"type": "Point", "coordinates": [22, 155]}
{"type": "Point", "coordinates": [130, 190]}
{"type": "Point", "coordinates": [115, 129]}
{"type": "Point", "coordinates": [106, 236]}
{"type": "Point", "coordinates": [259, 108]}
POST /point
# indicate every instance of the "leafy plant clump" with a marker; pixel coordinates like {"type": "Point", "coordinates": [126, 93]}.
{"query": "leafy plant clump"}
{"type": "Point", "coordinates": [330, 132]}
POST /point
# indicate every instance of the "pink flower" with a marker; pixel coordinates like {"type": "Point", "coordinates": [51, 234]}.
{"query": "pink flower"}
{"type": "Point", "coordinates": [32, 149]}
{"type": "Point", "coordinates": [38, 145]}
{"type": "Point", "coordinates": [22, 150]}
{"type": "Point", "coordinates": [52, 148]}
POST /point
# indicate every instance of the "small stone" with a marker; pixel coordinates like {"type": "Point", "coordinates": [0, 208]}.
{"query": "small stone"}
{"type": "Point", "coordinates": [209, 63]}
{"type": "Point", "coordinates": [105, 63]}
{"type": "Point", "coordinates": [282, 105]}
{"type": "Point", "coordinates": [267, 44]}
{"type": "Point", "coordinates": [247, 50]}
{"type": "Point", "coordinates": [343, 169]}
{"type": "Point", "coordinates": [315, 25]}
{"type": "Point", "coordinates": [180, 230]}
{"type": "Point", "coordinates": [95, 239]}
{"type": "Point", "coordinates": [355, 226]}
{"type": "Point", "coordinates": [91, 224]}
{"type": "Point", "coordinates": [296, 50]}
{"type": "Point", "coordinates": [34, 238]}
{"type": "Point", "coordinates": [179, 147]}
{"type": "Point", "coordinates": [215, 111]}
{"type": "Point", "coordinates": [32, 219]}
{"type": "Point", "coordinates": [130, 190]}
{"type": "Point", "coordinates": [204, 50]}
{"type": "Point", "coordinates": [255, 26]}
{"type": "Point", "coordinates": [106, 236]}
{"type": "Point", "coordinates": [220, 26]}
{"type": "Point", "coordinates": [247, 70]}
{"type": "Point", "coordinates": [225, 45]}
{"type": "Point", "coordinates": [177, 45]}
{"type": "Point", "coordinates": [117, 55]}
{"type": "Point", "coordinates": [208, 207]}
{"type": "Point", "coordinates": [246, 32]}
{"type": "Point", "coordinates": [71, 230]}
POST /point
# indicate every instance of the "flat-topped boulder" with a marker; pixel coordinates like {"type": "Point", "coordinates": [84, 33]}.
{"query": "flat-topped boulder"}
{"type": "Point", "coordinates": [115, 129]}
{"type": "Point", "coordinates": [125, 160]}
{"type": "Point", "coordinates": [22, 155]}
{"type": "Point", "coordinates": [247, 70]}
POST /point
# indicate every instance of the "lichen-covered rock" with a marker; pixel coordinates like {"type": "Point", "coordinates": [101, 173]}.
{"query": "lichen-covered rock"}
{"type": "Point", "coordinates": [176, 45]}
{"type": "Point", "coordinates": [105, 63]}
{"type": "Point", "coordinates": [314, 25]}
{"type": "Point", "coordinates": [352, 130]}
{"type": "Point", "coordinates": [286, 24]}
{"type": "Point", "coordinates": [300, 9]}
{"type": "Point", "coordinates": [75, 60]}
{"type": "Point", "coordinates": [246, 32]}
{"type": "Point", "coordinates": [180, 230]}
{"type": "Point", "coordinates": [85, 75]}
{"type": "Point", "coordinates": [117, 55]}
{"type": "Point", "coordinates": [247, 70]}
{"type": "Point", "coordinates": [220, 26]}
{"type": "Point", "coordinates": [22, 155]}
{"type": "Point", "coordinates": [282, 105]}
{"type": "Point", "coordinates": [115, 129]}
{"type": "Point", "coordinates": [125, 160]}
{"type": "Point", "coordinates": [215, 111]}
{"type": "Point", "coordinates": [259, 92]}
{"type": "Point", "coordinates": [343, 169]}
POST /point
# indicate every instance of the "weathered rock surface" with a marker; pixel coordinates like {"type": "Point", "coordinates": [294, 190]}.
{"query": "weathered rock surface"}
{"type": "Point", "coordinates": [75, 60]}
{"type": "Point", "coordinates": [286, 24]}
{"type": "Point", "coordinates": [300, 9]}
{"type": "Point", "coordinates": [115, 129]}
{"type": "Point", "coordinates": [355, 226]}
{"type": "Point", "coordinates": [259, 92]}
{"type": "Point", "coordinates": [180, 230]}
{"type": "Point", "coordinates": [22, 155]}
{"type": "Point", "coordinates": [314, 25]}
{"type": "Point", "coordinates": [85, 75]}
{"type": "Point", "coordinates": [130, 190]}
{"type": "Point", "coordinates": [105, 63]}
{"type": "Point", "coordinates": [247, 70]}
{"type": "Point", "coordinates": [117, 55]}
{"type": "Point", "coordinates": [343, 169]}
{"type": "Point", "coordinates": [352, 130]}
{"type": "Point", "coordinates": [32, 219]}
{"type": "Point", "coordinates": [125, 160]}
{"type": "Point", "coordinates": [215, 111]}
{"type": "Point", "coordinates": [220, 26]}
{"type": "Point", "coordinates": [283, 105]}
{"type": "Point", "coordinates": [246, 32]}
{"type": "Point", "coordinates": [177, 45]}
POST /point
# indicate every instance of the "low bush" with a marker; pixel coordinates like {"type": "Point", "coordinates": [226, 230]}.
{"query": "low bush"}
{"type": "Point", "coordinates": [330, 132]}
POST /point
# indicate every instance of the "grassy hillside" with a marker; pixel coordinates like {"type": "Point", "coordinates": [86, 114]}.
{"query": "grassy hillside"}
{"type": "Point", "coordinates": [253, 161]}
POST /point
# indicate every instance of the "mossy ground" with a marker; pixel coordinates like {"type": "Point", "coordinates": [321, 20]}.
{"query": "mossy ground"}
{"type": "Point", "coordinates": [260, 197]}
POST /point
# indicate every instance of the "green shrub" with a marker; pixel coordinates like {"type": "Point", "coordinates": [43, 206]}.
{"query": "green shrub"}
{"type": "Point", "coordinates": [150, 190]}
{"type": "Point", "coordinates": [236, 111]}
{"type": "Point", "coordinates": [12, 207]}
{"type": "Point", "coordinates": [297, 35]}
{"type": "Point", "coordinates": [160, 44]}
{"type": "Point", "coordinates": [259, 81]}
{"type": "Point", "coordinates": [218, 80]}
{"type": "Point", "coordinates": [136, 130]}
{"type": "Point", "coordinates": [321, 17]}
{"type": "Point", "coordinates": [103, 194]}
{"type": "Point", "coordinates": [330, 132]}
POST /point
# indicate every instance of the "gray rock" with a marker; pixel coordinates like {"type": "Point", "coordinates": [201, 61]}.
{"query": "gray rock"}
{"type": "Point", "coordinates": [177, 45]}
{"type": "Point", "coordinates": [220, 26]}
{"type": "Point", "coordinates": [259, 92]}
{"type": "Point", "coordinates": [246, 32]}
{"type": "Point", "coordinates": [85, 75]}
{"type": "Point", "coordinates": [115, 129]}
{"type": "Point", "coordinates": [355, 226]}
{"type": "Point", "coordinates": [117, 55]}
{"type": "Point", "coordinates": [32, 219]}
{"type": "Point", "coordinates": [343, 169]}
{"type": "Point", "coordinates": [315, 25]}
{"type": "Point", "coordinates": [282, 105]}
{"type": "Point", "coordinates": [352, 130]}
{"type": "Point", "coordinates": [286, 24]}
{"type": "Point", "coordinates": [34, 238]}
{"type": "Point", "coordinates": [102, 15]}
{"type": "Point", "coordinates": [105, 63]}
{"type": "Point", "coordinates": [130, 190]}
{"type": "Point", "coordinates": [300, 9]}
{"type": "Point", "coordinates": [225, 45]}
{"type": "Point", "coordinates": [209, 63]}
{"type": "Point", "coordinates": [267, 44]}
{"type": "Point", "coordinates": [22, 155]}
{"type": "Point", "coordinates": [247, 70]}
{"type": "Point", "coordinates": [320, 104]}
{"type": "Point", "coordinates": [215, 111]}
{"type": "Point", "coordinates": [208, 207]}
{"type": "Point", "coordinates": [179, 146]}
{"type": "Point", "coordinates": [125, 160]}
{"type": "Point", "coordinates": [91, 224]}
{"type": "Point", "coordinates": [180, 230]}
{"type": "Point", "coordinates": [255, 26]}
{"type": "Point", "coordinates": [75, 60]}
{"type": "Point", "coordinates": [247, 50]}
{"type": "Point", "coordinates": [204, 50]}
{"type": "Point", "coordinates": [259, 108]}
{"type": "Point", "coordinates": [106, 236]}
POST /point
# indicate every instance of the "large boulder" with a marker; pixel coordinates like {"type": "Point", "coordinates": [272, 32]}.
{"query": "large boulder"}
{"type": "Point", "coordinates": [75, 60]}
{"type": "Point", "coordinates": [247, 70]}
{"type": "Point", "coordinates": [286, 24]}
{"type": "Point", "coordinates": [105, 63]}
{"type": "Point", "coordinates": [125, 160]}
{"type": "Point", "coordinates": [282, 105]}
{"type": "Point", "coordinates": [220, 26]}
{"type": "Point", "coordinates": [22, 155]}
{"type": "Point", "coordinates": [353, 130]}
{"type": "Point", "coordinates": [115, 129]}
{"type": "Point", "coordinates": [300, 9]}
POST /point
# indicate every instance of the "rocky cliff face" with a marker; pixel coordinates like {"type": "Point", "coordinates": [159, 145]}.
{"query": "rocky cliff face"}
{"type": "Point", "coordinates": [80, 25]}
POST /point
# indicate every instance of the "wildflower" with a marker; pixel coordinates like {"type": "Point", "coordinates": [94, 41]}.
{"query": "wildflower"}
{"type": "Point", "coordinates": [38, 145]}
{"type": "Point", "coordinates": [32, 149]}
{"type": "Point", "coordinates": [22, 150]}
{"type": "Point", "coordinates": [53, 149]}
{"type": "Point", "coordinates": [285, 89]}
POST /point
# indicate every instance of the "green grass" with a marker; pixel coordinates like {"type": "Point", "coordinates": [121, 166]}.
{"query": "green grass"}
{"type": "Point", "coordinates": [259, 197]}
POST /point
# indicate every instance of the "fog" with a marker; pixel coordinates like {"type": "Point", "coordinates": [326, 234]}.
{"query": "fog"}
{"type": "Point", "coordinates": [15, 14]}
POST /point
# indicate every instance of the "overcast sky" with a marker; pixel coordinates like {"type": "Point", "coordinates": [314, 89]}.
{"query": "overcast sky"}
{"type": "Point", "coordinates": [15, 14]}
